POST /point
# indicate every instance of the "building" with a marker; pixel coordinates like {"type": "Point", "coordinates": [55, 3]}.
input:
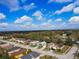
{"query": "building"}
{"type": "Point", "coordinates": [12, 50]}
{"type": "Point", "coordinates": [42, 44]}
{"type": "Point", "coordinates": [17, 52]}
{"type": "Point", "coordinates": [55, 46]}
{"type": "Point", "coordinates": [31, 55]}
{"type": "Point", "coordinates": [5, 45]}
{"type": "Point", "coordinates": [34, 43]}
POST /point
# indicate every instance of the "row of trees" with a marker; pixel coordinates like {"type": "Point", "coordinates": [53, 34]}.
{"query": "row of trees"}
{"type": "Point", "coordinates": [48, 36]}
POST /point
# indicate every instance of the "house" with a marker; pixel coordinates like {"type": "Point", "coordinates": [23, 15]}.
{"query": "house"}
{"type": "Point", "coordinates": [20, 40]}
{"type": "Point", "coordinates": [12, 50]}
{"type": "Point", "coordinates": [17, 52]}
{"type": "Point", "coordinates": [1, 37]}
{"type": "Point", "coordinates": [31, 55]}
{"type": "Point", "coordinates": [43, 44]}
{"type": "Point", "coordinates": [5, 45]}
{"type": "Point", "coordinates": [55, 46]}
{"type": "Point", "coordinates": [52, 45]}
{"type": "Point", "coordinates": [27, 41]}
{"type": "Point", "coordinates": [34, 43]}
{"type": "Point", "coordinates": [77, 42]}
{"type": "Point", "coordinates": [64, 37]}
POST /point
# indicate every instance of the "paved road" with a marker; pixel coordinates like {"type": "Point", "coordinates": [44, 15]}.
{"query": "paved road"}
{"type": "Point", "coordinates": [69, 55]}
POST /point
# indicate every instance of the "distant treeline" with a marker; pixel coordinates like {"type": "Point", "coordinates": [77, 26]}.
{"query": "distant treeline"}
{"type": "Point", "coordinates": [47, 35]}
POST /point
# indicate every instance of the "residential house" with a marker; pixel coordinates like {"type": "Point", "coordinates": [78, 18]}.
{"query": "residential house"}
{"type": "Point", "coordinates": [17, 52]}
{"type": "Point", "coordinates": [34, 43]}
{"type": "Point", "coordinates": [31, 55]}
{"type": "Point", "coordinates": [5, 45]}
{"type": "Point", "coordinates": [55, 46]}
{"type": "Point", "coordinates": [42, 44]}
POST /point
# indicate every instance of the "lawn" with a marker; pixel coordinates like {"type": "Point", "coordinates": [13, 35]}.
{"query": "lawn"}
{"type": "Point", "coordinates": [4, 57]}
{"type": "Point", "coordinates": [65, 49]}
{"type": "Point", "coordinates": [47, 57]}
{"type": "Point", "coordinates": [40, 46]}
{"type": "Point", "coordinates": [47, 49]}
{"type": "Point", "coordinates": [76, 57]}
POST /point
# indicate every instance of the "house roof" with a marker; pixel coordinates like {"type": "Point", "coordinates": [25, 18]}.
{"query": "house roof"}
{"type": "Point", "coordinates": [34, 42]}
{"type": "Point", "coordinates": [20, 39]}
{"type": "Point", "coordinates": [2, 43]}
{"type": "Point", "coordinates": [7, 46]}
{"type": "Point", "coordinates": [21, 51]}
{"type": "Point", "coordinates": [14, 48]}
{"type": "Point", "coordinates": [34, 54]}
{"type": "Point", "coordinates": [31, 55]}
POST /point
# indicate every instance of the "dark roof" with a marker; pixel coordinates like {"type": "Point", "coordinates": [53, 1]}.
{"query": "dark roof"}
{"type": "Point", "coordinates": [26, 57]}
{"type": "Point", "coordinates": [14, 48]}
{"type": "Point", "coordinates": [34, 54]}
{"type": "Point", "coordinates": [31, 55]}
{"type": "Point", "coordinates": [2, 43]}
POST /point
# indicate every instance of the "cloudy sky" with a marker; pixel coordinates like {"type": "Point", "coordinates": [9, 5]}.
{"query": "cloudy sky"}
{"type": "Point", "coordinates": [38, 14]}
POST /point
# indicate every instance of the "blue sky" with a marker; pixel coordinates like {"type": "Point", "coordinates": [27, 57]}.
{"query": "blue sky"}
{"type": "Point", "coordinates": [38, 15]}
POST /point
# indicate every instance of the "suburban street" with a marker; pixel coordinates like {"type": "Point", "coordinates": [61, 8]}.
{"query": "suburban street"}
{"type": "Point", "coordinates": [69, 55]}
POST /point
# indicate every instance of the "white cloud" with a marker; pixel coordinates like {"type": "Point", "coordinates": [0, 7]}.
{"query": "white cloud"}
{"type": "Point", "coordinates": [46, 25]}
{"type": "Point", "coordinates": [23, 19]}
{"type": "Point", "coordinates": [74, 20]}
{"type": "Point", "coordinates": [3, 25]}
{"type": "Point", "coordinates": [59, 1]}
{"type": "Point", "coordinates": [50, 21]}
{"type": "Point", "coordinates": [29, 7]}
{"type": "Point", "coordinates": [37, 14]}
{"type": "Point", "coordinates": [2, 16]}
{"type": "Point", "coordinates": [34, 25]}
{"type": "Point", "coordinates": [58, 20]}
{"type": "Point", "coordinates": [30, 25]}
{"type": "Point", "coordinates": [13, 5]}
{"type": "Point", "coordinates": [40, 18]}
{"type": "Point", "coordinates": [76, 10]}
{"type": "Point", "coordinates": [67, 8]}
{"type": "Point", "coordinates": [77, 2]}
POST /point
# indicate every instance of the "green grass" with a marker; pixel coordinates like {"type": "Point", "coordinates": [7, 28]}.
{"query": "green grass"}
{"type": "Point", "coordinates": [33, 45]}
{"type": "Point", "coordinates": [47, 49]}
{"type": "Point", "coordinates": [4, 57]}
{"type": "Point", "coordinates": [65, 49]}
{"type": "Point", "coordinates": [40, 47]}
{"type": "Point", "coordinates": [48, 57]}
{"type": "Point", "coordinates": [76, 57]}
